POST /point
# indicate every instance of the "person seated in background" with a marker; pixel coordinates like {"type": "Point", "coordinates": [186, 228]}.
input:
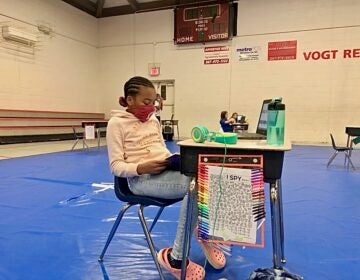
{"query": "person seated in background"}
{"type": "Point", "coordinates": [225, 122]}
{"type": "Point", "coordinates": [158, 103]}
{"type": "Point", "coordinates": [234, 118]}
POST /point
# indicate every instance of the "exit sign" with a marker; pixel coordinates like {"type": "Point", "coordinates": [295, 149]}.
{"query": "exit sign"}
{"type": "Point", "coordinates": [154, 71]}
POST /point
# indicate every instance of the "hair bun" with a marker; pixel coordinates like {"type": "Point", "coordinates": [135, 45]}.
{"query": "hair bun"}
{"type": "Point", "coordinates": [122, 101]}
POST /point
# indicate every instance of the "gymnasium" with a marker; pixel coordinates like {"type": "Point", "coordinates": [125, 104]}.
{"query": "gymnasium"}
{"type": "Point", "coordinates": [64, 67]}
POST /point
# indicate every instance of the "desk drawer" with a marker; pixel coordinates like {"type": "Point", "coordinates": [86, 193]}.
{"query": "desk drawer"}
{"type": "Point", "coordinates": [273, 160]}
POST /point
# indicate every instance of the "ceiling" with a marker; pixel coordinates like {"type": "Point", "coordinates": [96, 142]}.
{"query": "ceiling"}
{"type": "Point", "coordinates": [108, 8]}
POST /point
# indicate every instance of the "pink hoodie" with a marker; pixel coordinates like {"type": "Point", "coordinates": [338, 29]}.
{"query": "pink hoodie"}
{"type": "Point", "coordinates": [131, 142]}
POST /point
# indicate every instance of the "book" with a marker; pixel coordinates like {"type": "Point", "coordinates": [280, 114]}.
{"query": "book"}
{"type": "Point", "coordinates": [174, 162]}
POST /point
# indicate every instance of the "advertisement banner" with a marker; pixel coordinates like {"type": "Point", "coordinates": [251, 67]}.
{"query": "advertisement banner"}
{"type": "Point", "coordinates": [282, 50]}
{"type": "Point", "coordinates": [248, 53]}
{"type": "Point", "coordinates": [216, 55]}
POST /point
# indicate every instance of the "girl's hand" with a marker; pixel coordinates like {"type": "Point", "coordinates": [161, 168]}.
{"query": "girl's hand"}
{"type": "Point", "coordinates": [152, 167]}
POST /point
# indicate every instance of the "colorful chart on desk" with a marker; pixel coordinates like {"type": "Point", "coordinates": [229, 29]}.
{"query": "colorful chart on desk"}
{"type": "Point", "coordinates": [231, 197]}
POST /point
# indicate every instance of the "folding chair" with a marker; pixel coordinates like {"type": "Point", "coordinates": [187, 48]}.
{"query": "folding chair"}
{"type": "Point", "coordinates": [77, 138]}
{"type": "Point", "coordinates": [345, 150]}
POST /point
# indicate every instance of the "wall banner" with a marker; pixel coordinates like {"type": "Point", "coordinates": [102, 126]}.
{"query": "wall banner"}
{"type": "Point", "coordinates": [282, 50]}
{"type": "Point", "coordinates": [248, 53]}
{"type": "Point", "coordinates": [331, 54]}
{"type": "Point", "coordinates": [216, 55]}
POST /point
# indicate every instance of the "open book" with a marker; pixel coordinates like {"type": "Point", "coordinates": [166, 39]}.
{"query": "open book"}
{"type": "Point", "coordinates": [174, 162]}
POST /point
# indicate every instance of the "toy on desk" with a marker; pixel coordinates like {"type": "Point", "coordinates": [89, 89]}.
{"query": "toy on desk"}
{"type": "Point", "coordinates": [200, 134]}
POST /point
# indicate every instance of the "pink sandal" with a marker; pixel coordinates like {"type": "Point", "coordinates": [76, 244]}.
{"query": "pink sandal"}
{"type": "Point", "coordinates": [214, 256]}
{"type": "Point", "coordinates": [193, 270]}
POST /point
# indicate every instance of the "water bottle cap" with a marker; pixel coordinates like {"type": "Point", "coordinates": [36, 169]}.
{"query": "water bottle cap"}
{"type": "Point", "coordinates": [279, 106]}
{"type": "Point", "coordinates": [276, 104]}
{"type": "Point", "coordinates": [276, 100]}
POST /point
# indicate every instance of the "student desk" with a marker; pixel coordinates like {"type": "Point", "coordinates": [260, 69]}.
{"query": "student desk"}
{"type": "Point", "coordinates": [98, 125]}
{"type": "Point", "coordinates": [352, 131]}
{"type": "Point", "coordinates": [273, 162]}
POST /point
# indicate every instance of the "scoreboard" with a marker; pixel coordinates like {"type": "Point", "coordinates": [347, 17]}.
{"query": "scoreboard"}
{"type": "Point", "coordinates": [204, 23]}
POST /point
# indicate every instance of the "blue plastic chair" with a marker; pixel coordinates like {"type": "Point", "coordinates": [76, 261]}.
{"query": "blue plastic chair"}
{"type": "Point", "coordinates": [124, 194]}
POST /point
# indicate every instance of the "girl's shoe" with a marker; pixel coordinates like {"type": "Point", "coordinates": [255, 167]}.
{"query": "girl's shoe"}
{"type": "Point", "coordinates": [193, 270]}
{"type": "Point", "coordinates": [214, 255]}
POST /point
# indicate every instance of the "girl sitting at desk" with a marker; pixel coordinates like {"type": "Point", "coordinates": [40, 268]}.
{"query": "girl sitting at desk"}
{"type": "Point", "coordinates": [137, 151]}
{"type": "Point", "coordinates": [225, 123]}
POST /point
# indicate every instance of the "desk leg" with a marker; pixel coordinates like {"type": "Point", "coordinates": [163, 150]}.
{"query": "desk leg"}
{"type": "Point", "coordinates": [276, 223]}
{"type": "Point", "coordinates": [187, 235]}
{"type": "Point", "coordinates": [347, 160]}
{"type": "Point", "coordinates": [282, 236]}
{"type": "Point", "coordinates": [277, 230]}
{"type": "Point", "coordinates": [350, 152]}
{"type": "Point", "coordinates": [98, 136]}
{"type": "Point", "coordinates": [348, 143]}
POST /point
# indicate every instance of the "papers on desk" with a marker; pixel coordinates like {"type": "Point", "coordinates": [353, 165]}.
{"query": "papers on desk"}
{"type": "Point", "coordinates": [231, 200]}
{"type": "Point", "coordinates": [89, 132]}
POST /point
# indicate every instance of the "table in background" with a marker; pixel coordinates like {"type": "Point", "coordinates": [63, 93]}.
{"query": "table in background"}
{"type": "Point", "coordinates": [97, 125]}
{"type": "Point", "coordinates": [273, 157]}
{"type": "Point", "coordinates": [240, 127]}
{"type": "Point", "coordinates": [351, 131]}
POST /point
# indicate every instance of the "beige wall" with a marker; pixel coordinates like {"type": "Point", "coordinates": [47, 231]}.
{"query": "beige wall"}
{"type": "Point", "coordinates": [321, 96]}
{"type": "Point", "coordinates": [62, 75]}
{"type": "Point", "coordinates": [84, 65]}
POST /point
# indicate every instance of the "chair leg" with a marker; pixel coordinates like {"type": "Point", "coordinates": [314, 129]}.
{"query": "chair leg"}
{"type": "Point", "coordinates": [156, 218]}
{"type": "Point", "coordinates": [114, 228]}
{"type": "Point", "coordinates": [73, 147]}
{"type": "Point", "coordinates": [349, 160]}
{"type": "Point", "coordinates": [187, 236]}
{"type": "Point", "coordinates": [149, 240]}
{"type": "Point", "coordinates": [332, 158]}
{"type": "Point", "coordinates": [98, 135]}
{"type": "Point", "coordinates": [85, 145]}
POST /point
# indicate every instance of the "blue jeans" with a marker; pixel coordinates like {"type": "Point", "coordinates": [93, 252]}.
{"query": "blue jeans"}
{"type": "Point", "coordinates": [169, 185]}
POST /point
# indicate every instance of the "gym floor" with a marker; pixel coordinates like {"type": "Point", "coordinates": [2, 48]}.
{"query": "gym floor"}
{"type": "Point", "coordinates": [57, 208]}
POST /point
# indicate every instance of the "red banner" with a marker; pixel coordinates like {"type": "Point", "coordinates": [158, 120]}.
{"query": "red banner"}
{"type": "Point", "coordinates": [216, 55]}
{"type": "Point", "coordinates": [282, 50]}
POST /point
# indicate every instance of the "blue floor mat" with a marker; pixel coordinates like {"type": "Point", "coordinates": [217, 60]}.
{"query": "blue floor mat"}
{"type": "Point", "coordinates": [54, 221]}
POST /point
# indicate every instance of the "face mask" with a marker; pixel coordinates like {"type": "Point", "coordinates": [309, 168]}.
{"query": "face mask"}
{"type": "Point", "coordinates": [143, 113]}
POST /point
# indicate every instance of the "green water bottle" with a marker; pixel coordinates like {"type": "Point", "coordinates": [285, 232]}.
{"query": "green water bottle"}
{"type": "Point", "coordinates": [276, 123]}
